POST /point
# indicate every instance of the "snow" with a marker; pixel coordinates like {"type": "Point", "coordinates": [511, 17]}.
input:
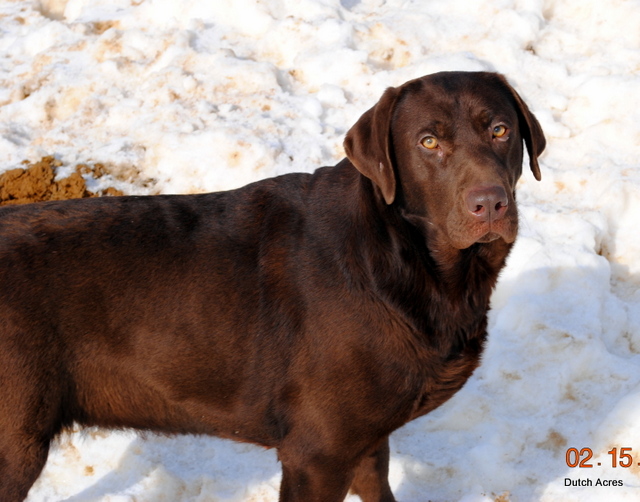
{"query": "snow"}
{"type": "Point", "coordinates": [195, 95]}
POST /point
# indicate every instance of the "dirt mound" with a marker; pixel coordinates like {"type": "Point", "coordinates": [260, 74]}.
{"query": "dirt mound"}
{"type": "Point", "coordinates": [35, 183]}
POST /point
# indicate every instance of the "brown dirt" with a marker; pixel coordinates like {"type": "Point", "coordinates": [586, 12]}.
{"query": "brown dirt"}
{"type": "Point", "coordinates": [35, 183]}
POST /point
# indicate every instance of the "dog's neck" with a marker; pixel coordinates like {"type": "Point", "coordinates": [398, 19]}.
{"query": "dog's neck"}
{"type": "Point", "coordinates": [421, 276]}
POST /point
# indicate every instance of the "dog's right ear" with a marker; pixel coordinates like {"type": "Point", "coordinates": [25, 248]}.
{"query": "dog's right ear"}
{"type": "Point", "coordinates": [530, 129]}
{"type": "Point", "coordinates": [368, 144]}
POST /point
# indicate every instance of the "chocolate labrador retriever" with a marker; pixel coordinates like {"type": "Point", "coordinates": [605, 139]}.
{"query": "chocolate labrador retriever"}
{"type": "Point", "coordinates": [312, 313]}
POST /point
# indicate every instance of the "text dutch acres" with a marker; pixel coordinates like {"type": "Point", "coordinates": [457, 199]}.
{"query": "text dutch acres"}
{"type": "Point", "coordinates": [591, 482]}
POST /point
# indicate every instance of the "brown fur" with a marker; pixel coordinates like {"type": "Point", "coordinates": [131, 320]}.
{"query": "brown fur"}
{"type": "Point", "coordinates": [312, 313]}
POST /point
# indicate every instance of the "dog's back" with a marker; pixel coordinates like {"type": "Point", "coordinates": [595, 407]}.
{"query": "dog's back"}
{"type": "Point", "coordinates": [135, 312]}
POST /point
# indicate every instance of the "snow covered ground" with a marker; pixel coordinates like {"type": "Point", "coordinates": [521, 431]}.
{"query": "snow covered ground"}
{"type": "Point", "coordinates": [203, 95]}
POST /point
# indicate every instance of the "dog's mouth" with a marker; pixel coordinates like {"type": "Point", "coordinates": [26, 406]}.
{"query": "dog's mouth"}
{"type": "Point", "coordinates": [489, 237]}
{"type": "Point", "coordinates": [462, 236]}
{"type": "Point", "coordinates": [463, 241]}
{"type": "Point", "coordinates": [503, 229]}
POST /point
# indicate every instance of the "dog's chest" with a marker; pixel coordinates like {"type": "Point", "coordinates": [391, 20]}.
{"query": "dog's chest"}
{"type": "Point", "coordinates": [444, 376]}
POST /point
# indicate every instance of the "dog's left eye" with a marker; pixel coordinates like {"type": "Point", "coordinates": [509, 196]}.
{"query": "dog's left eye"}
{"type": "Point", "coordinates": [429, 142]}
{"type": "Point", "coordinates": [499, 131]}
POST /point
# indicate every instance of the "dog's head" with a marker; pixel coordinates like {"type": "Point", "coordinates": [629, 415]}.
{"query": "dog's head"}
{"type": "Point", "coordinates": [447, 149]}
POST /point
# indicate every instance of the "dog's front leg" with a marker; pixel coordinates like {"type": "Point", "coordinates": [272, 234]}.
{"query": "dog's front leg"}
{"type": "Point", "coordinates": [371, 481]}
{"type": "Point", "coordinates": [317, 480]}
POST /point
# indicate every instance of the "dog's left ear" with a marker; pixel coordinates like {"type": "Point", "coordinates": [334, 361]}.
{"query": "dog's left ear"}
{"type": "Point", "coordinates": [530, 129]}
{"type": "Point", "coordinates": [368, 144]}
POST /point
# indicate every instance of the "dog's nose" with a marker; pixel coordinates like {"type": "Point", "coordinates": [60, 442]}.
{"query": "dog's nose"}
{"type": "Point", "coordinates": [487, 204]}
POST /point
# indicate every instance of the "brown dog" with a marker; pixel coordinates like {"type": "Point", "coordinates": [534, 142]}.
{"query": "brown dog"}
{"type": "Point", "coordinates": [312, 313]}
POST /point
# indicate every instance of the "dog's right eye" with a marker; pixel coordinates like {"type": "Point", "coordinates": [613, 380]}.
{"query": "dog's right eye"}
{"type": "Point", "coordinates": [499, 131]}
{"type": "Point", "coordinates": [429, 142]}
